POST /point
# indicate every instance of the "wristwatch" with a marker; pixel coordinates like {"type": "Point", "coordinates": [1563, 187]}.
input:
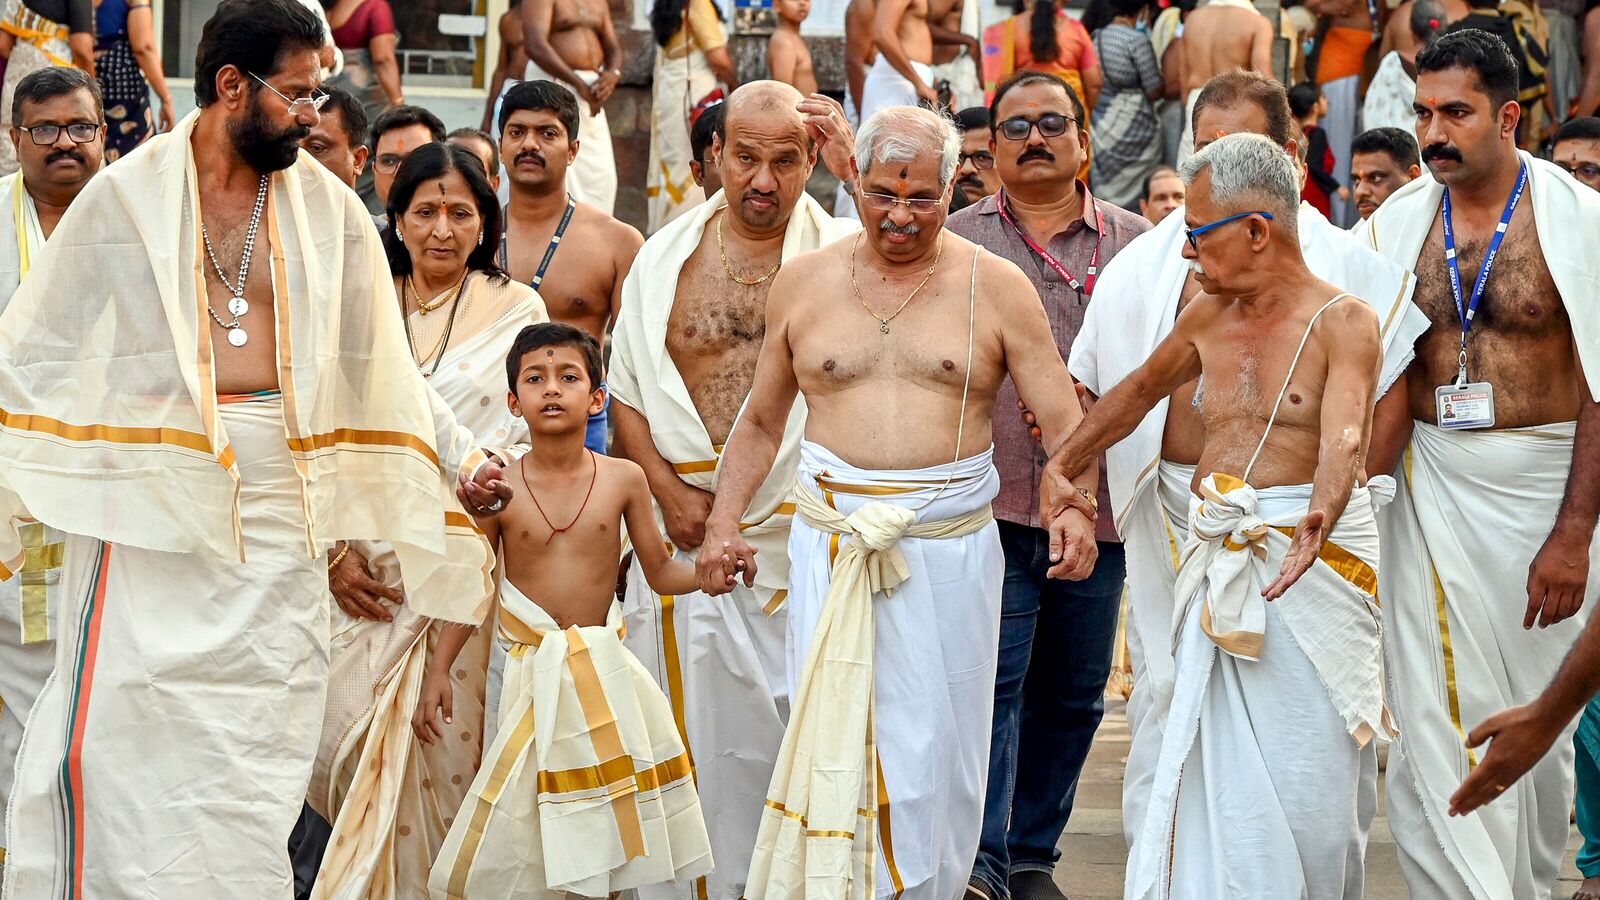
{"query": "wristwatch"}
{"type": "Point", "coordinates": [1083, 500]}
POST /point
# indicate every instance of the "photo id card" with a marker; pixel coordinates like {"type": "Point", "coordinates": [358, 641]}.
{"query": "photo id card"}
{"type": "Point", "coordinates": [1465, 406]}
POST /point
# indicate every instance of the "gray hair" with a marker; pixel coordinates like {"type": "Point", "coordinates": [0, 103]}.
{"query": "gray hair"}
{"type": "Point", "coordinates": [906, 134]}
{"type": "Point", "coordinates": [1249, 170]}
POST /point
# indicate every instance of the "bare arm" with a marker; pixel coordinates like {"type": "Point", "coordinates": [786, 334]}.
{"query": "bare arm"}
{"type": "Point", "coordinates": [1347, 402]}
{"type": "Point", "coordinates": [665, 575]}
{"type": "Point", "coordinates": [81, 44]}
{"type": "Point", "coordinates": [683, 507]}
{"type": "Point", "coordinates": [886, 34]}
{"type": "Point", "coordinates": [1172, 70]}
{"type": "Point", "coordinates": [1391, 429]}
{"type": "Point", "coordinates": [1589, 99]}
{"type": "Point", "coordinates": [1261, 47]}
{"type": "Point", "coordinates": [387, 66]}
{"type": "Point", "coordinates": [437, 698]}
{"type": "Point", "coordinates": [510, 40]}
{"type": "Point", "coordinates": [611, 75]}
{"type": "Point", "coordinates": [1560, 572]}
{"type": "Point", "coordinates": [627, 242]}
{"type": "Point", "coordinates": [1093, 80]}
{"type": "Point", "coordinates": [721, 64]}
{"type": "Point", "coordinates": [954, 37]}
{"type": "Point", "coordinates": [536, 18]}
{"type": "Point", "coordinates": [142, 40]}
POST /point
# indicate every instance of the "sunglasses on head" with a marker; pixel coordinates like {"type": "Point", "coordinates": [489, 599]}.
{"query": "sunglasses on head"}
{"type": "Point", "coordinates": [1050, 125]}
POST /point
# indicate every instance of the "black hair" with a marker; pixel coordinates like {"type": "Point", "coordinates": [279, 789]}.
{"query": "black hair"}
{"type": "Point", "coordinates": [252, 36]}
{"type": "Point", "coordinates": [1478, 51]}
{"type": "Point", "coordinates": [1303, 99]}
{"type": "Point", "coordinates": [666, 17]}
{"type": "Point", "coordinates": [709, 123]}
{"type": "Point", "coordinates": [1042, 40]}
{"type": "Point", "coordinates": [541, 94]}
{"type": "Point", "coordinates": [479, 134]}
{"type": "Point", "coordinates": [1583, 128]}
{"type": "Point", "coordinates": [1427, 20]}
{"type": "Point", "coordinates": [352, 115]}
{"type": "Point", "coordinates": [1024, 77]}
{"type": "Point", "coordinates": [553, 334]}
{"type": "Point", "coordinates": [1264, 91]}
{"type": "Point", "coordinates": [51, 82]}
{"type": "Point", "coordinates": [972, 118]}
{"type": "Point", "coordinates": [405, 117]}
{"type": "Point", "coordinates": [1100, 13]}
{"type": "Point", "coordinates": [1157, 172]}
{"type": "Point", "coordinates": [1400, 145]}
{"type": "Point", "coordinates": [432, 161]}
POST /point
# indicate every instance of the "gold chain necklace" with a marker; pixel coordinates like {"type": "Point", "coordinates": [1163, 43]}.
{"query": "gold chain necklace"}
{"type": "Point", "coordinates": [425, 308]}
{"type": "Point", "coordinates": [883, 324]}
{"type": "Point", "coordinates": [457, 304]}
{"type": "Point", "coordinates": [723, 251]}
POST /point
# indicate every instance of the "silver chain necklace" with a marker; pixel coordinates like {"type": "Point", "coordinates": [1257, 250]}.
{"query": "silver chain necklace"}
{"type": "Point", "coordinates": [237, 306]}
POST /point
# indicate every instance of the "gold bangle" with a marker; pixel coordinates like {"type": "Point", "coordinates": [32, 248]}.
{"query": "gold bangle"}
{"type": "Point", "coordinates": [340, 558]}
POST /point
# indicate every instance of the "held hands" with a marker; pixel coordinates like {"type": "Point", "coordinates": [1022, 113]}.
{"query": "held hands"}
{"type": "Point", "coordinates": [1069, 517]}
{"type": "Point", "coordinates": [1309, 537]}
{"type": "Point", "coordinates": [485, 494]}
{"type": "Point", "coordinates": [1522, 736]}
{"type": "Point", "coordinates": [1557, 577]}
{"type": "Point", "coordinates": [684, 511]}
{"type": "Point", "coordinates": [355, 590]}
{"type": "Point", "coordinates": [437, 698]}
{"type": "Point", "coordinates": [827, 125]}
{"type": "Point", "coordinates": [724, 556]}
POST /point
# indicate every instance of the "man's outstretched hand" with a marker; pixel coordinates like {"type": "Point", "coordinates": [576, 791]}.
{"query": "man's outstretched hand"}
{"type": "Point", "coordinates": [485, 494]}
{"type": "Point", "coordinates": [724, 556]}
{"type": "Point", "coordinates": [1522, 735]}
{"type": "Point", "coordinates": [1308, 540]}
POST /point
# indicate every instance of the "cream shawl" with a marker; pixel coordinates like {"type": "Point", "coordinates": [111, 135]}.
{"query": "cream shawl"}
{"type": "Point", "coordinates": [108, 404]}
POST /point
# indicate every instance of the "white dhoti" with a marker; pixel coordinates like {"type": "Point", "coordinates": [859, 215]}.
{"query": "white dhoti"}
{"type": "Point", "coordinates": [224, 659]}
{"type": "Point", "coordinates": [587, 788]}
{"type": "Point", "coordinates": [894, 625]}
{"type": "Point", "coordinates": [1458, 653]}
{"type": "Point", "coordinates": [1186, 143]}
{"type": "Point", "coordinates": [886, 87]}
{"type": "Point", "coordinates": [678, 86]}
{"type": "Point", "coordinates": [592, 177]}
{"type": "Point", "coordinates": [966, 85]}
{"type": "Point", "coordinates": [1267, 779]}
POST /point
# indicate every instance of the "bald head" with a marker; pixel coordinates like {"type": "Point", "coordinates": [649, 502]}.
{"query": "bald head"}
{"type": "Point", "coordinates": [771, 103]}
{"type": "Point", "coordinates": [764, 154]}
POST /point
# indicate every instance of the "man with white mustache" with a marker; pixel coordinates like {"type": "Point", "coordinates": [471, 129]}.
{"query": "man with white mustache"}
{"type": "Point", "coordinates": [1151, 474]}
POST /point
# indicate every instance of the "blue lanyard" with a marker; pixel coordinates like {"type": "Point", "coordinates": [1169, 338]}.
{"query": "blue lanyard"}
{"type": "Point", "coordinates": [1469, 309]}
{"type": "Point", "coordinates": [549, 253]}
{"type": "Point", "coordinates": [1372, 10]}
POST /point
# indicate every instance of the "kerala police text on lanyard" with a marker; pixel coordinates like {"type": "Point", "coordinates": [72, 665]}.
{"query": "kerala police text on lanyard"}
{"type": "Point", "coordinates": [1087, 287]}
{"type": "Point", "coordinates": [1466, 310]}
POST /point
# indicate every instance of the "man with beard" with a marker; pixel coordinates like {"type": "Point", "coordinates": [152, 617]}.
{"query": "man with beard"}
{"type": "Point", "coordinates": [206, 388]}
{"type": "Point", "coordinates": [60, 141]}
{"type": "Point", "coordinates": [976, 177]}
{"type": "Point", "coordinates": [1151, 473]}
{"type": "Point", "coordinates": [539, 139]}
{"type": "Point", "coordinates": [898, 340]}
{"type": "Point", "coordinates": [1382, 161]}
{"type": "Point", "coordinates": [691, 325]}
{"type": "Point", "coordinates": [1056, 638]}
{"type": "Point", "coordinates": [1502, 244]}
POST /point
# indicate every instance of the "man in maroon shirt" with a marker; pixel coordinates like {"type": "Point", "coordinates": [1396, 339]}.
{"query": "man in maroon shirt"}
{"type": "Point", "coordinates": [1047, 705]}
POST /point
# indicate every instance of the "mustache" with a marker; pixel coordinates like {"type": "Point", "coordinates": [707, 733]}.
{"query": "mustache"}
{"type": "Point", "coordinates": [1033, 153]}
{"type": "Point", "coordinates": [1440, 151]}
{"type": "Point", "coordinates": [1196, 268]}
{"type": "Point", "coordinates": [970, 181]}
{"type": "Point", "coordinates": [73, 155]}
{"type": "Point", "coordinates": [908, 229]}
{"type": "Point", "coordinates": [529, 154]}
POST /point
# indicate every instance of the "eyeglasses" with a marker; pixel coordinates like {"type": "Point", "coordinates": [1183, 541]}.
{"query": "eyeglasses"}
{"type": "Point", "coordinates": [1584, 171]}
{"type": "Point", "coordinates": [982, 159]}
{"type": "Point", "coordinates": [1051, 125]}
{"type": "Point", "coordinates": [79, 132]}
{"type": "Point", "coordinates": [916, 205]}
{"type": "Point", "coordinates": [297, 105]}
{"type": "Point", "coordinates": [1191, 233]}
{"type": "Point", "coordinates": [387, 163]}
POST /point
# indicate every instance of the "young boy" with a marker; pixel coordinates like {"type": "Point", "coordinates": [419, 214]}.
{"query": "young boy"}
{"type": "Point", "coordinates": [587, 788]}
{"type": "Point", "coordinates": [788, 57]}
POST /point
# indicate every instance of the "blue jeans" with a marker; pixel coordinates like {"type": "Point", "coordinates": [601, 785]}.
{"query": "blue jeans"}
{"type": "Point", "coordinates": [1587, 764]}
{"type": "Point", "coordinates": [595, 437]}
{"type": "Point", "coordinates": [1047, 705]}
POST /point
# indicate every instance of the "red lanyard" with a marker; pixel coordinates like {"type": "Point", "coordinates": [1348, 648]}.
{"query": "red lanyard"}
{"type": "Point", "coordinates": [1087, 288]}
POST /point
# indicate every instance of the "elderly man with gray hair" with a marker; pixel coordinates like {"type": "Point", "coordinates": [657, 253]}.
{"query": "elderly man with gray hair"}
{"type": "Point", "coordinates": [897, 341]}
{"type": "Point", "coordinates": [1266, 783]}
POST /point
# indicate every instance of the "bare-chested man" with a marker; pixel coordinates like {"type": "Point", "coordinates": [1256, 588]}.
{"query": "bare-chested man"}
{"type": "Point", "coordinates": [688, 333]}
{"type": "Point", "coordinates": [957, 56]}
{"type": "Point", "coordinates": [1279, 661]}
{"type": "Point", "coordinates": [897, 340]}
{"type": "Point", "coordinates": [860, 52]}
{"type": "Point", "coordinates": [573, 254]}
{"type": "Point", "coordinates": [902, 73]}
{"type": "Point", "coordinates": [575, 42]}
{"type": "Point", "coordinates": [1219, 37]}
{"type": "Point", "coordinates": [254, 408]}
{"type": "Point", "coordinates": [509, 69]}
{"type": "Point", "coordinates": [1519, 377]}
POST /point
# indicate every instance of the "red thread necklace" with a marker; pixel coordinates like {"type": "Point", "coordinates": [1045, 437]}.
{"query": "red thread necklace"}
{"type": "Point", "coordinates": [523, 466]}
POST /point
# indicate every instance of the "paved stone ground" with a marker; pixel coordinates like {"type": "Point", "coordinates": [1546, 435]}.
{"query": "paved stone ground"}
{"type": "Point", "coordinates": [1093, 852]}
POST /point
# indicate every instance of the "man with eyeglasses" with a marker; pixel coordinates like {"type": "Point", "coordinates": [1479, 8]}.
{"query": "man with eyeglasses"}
{"type": "Point", "coordinates": [60, 141]}
{"type": "Point", "coordinates": [1577, 150]}
{"type": "Point", "coordinates": [975, 177]}
{"type": "Point", "coordinates": [1057, 637]}
{"type": "Point", "coordinates": [898, 341]}
{"type": "Point", "coordinates": [395, 134]}
{"type": "Point", "coordinates": [1150, 474]}
{"type": "Point", "coordinates": [1267, 782]}
{"type": "Point", "coordinates": [207, 390]}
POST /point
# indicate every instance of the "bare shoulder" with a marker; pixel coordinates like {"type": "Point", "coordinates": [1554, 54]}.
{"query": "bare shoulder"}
{"type": "Point", "coordinates": [600, 229]}
{"type": "Point", "coordinates": [1349, 318]}
{"type": "Point", "coordinates": [621, 474]}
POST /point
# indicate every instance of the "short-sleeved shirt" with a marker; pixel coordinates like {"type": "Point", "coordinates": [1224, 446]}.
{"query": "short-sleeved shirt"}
{"type": "Point", "coordinates": [702, 30]}
{"type": "Point", "coordinates": [1018, 455]}
{"type": "Point", "coordinates": [371, 19]}
{"type": "Point", "coordinates": [77, 15]}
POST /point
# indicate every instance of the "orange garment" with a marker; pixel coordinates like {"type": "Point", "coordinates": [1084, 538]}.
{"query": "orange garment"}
{"type": "Point", "coordinates": [1006, 49]}
{"type": "Point", "coordinates": [1343, 54]}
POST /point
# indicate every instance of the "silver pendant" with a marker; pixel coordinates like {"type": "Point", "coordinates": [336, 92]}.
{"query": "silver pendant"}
{"type": "Point", "coordinates": [883, 327]}
{"type": "Point", "coordinates": [238, 306]}
{"type": "Point", "coordinates": [237, 337]}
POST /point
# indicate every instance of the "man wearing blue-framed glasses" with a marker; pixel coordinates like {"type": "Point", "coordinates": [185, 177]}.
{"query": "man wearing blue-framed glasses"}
{"type": "Point", "coordinates": [1278, 655]}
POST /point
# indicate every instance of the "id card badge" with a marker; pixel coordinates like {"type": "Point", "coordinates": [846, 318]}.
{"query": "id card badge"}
{"type": "Point", "coordinates": [1465, 406]}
